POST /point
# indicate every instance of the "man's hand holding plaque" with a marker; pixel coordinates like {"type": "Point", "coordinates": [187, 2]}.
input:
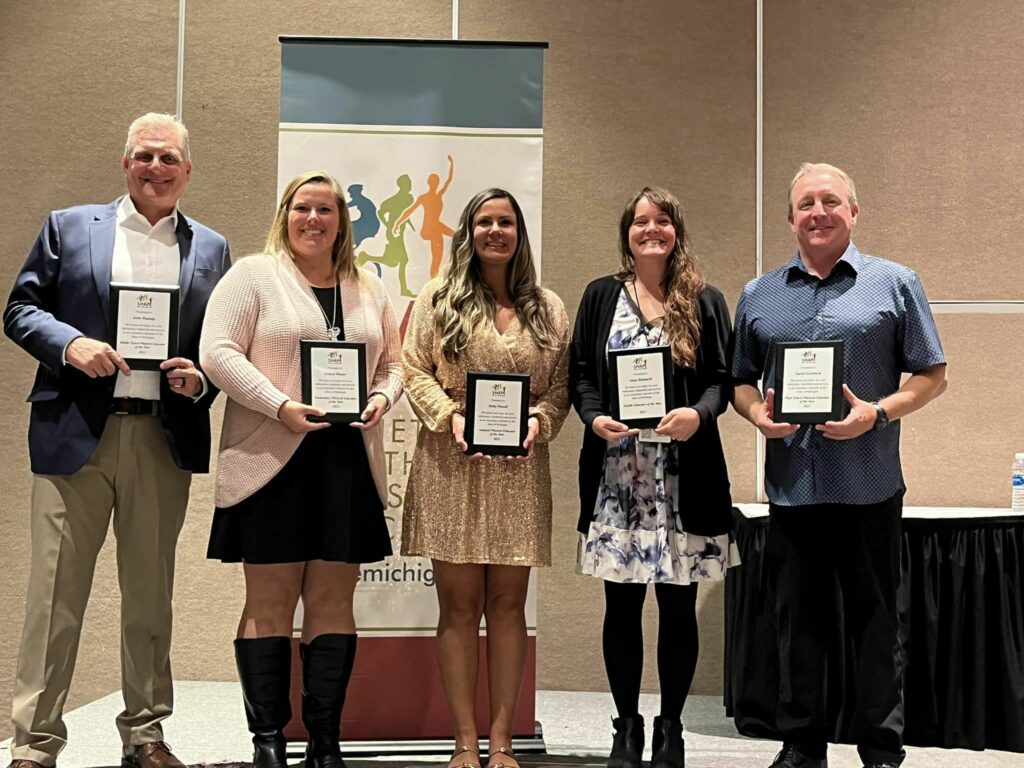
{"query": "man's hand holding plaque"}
{"type": "Point", "coordinates": [144, 324]}
{"type": "Point", "coordinates": [808, 381]}
{"type": "Point", "coordinates": [860, 419]}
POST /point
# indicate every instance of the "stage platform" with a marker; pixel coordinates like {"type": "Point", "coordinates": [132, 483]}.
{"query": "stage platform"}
{"type": "Point", "coordinates": [208, 729]}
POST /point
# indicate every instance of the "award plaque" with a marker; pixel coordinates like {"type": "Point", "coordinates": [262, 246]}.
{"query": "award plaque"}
{"type": "Point", "coordinates": [808, 381]}
{"type": "Point", "coordinates": [144, 323]}
{"type": "Point", "coordinates": [497, 412]}
{"type": "Point", "coordinates": [641, 385]}
{"type": "Point", "coordinates": [334, 379]}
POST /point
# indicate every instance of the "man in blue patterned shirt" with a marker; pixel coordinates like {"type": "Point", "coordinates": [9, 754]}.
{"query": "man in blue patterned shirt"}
{"type": "Point", "coordinates": [836, 489]}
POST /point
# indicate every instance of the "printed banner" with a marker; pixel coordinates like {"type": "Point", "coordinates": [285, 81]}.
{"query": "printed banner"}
{"type": "Point", "coordinates": [412, 130]}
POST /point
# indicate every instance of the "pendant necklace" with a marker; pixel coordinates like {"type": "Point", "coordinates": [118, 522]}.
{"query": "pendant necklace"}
{"type": "Point", "coordinates": [333, 331]}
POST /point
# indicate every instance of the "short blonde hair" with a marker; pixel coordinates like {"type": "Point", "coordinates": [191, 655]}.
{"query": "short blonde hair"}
{"type": "Point", "coordinates": [342, 252]}
{"type": "Point", "coordinates": [832, 170]}
{"type": "Point", "coordinates": [157, 120]}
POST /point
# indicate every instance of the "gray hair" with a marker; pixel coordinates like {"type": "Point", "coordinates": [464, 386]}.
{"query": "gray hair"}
{"type": "Point", "coordinates": [832, 170]}
{"type": "Point", "coordinates": [157, 120]}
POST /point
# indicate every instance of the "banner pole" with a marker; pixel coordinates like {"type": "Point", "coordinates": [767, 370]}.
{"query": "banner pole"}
{"type": "Point", "coordinates": [181, 61]}
{"type": "Point", "coordinates": [759, 451]}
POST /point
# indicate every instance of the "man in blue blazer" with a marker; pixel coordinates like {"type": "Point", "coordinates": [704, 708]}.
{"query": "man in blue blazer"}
{"type": "Point", "coordinates": [105, 440]}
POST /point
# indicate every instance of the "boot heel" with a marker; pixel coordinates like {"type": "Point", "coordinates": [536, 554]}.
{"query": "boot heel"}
{"type": "Point", "coordinates": [269, 750]}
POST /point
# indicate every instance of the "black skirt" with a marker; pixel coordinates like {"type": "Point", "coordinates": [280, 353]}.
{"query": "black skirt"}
{"type": "Point", "coordinates": [322, 505]}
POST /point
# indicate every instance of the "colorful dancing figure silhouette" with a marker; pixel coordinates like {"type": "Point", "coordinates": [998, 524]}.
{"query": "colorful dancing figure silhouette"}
{"type": "Point", "coordinates": [433, 230]}
{"type": "Point", "coordinates": [395, 254]}
{"type": "Point", "coordinates": [367, 225]}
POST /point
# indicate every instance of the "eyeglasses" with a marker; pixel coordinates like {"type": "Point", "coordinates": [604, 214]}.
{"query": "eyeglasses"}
{"type": "Point", "coordinates": [165, 158]}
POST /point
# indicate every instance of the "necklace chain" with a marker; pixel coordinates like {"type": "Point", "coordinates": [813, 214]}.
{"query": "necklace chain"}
{"type": "Point", "coordinates": [644, 329]}
{"type": "Point", "coordinates": [333, 331]}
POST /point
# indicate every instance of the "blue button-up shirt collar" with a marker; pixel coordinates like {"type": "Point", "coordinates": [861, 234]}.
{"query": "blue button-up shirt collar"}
{"type": "Point", "coordinates": [852, 259]}
{"type": "Point", "coordinates": [880, 311]}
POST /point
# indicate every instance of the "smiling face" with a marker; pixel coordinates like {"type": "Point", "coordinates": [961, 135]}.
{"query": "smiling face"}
{"type": "Point", "coordinates": [822, 217]}
{"type": "Point", "coordinates": [494, 233]}
{"type": "Point", "coordinates": [651, 234]}
{"type": "Point", "coordinates": [313, 222]}
{"type": "Point", "coordinates": [156, 172]}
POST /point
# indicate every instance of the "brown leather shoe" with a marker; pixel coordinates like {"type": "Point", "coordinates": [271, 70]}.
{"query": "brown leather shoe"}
{"type": "Point", "coordinates": [155, 754]}
{"type": "Point", "coordinates": [25, 764]}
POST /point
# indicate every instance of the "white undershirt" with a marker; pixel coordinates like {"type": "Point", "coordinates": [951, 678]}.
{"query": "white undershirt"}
{"type": "Point", "coordinates": [148, 255]}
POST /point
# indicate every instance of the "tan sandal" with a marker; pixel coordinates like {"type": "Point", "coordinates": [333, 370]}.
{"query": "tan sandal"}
{"type": "Point", "coordinates": [465, 762]}
{"type": "Point", "coordinates": [500, 757]}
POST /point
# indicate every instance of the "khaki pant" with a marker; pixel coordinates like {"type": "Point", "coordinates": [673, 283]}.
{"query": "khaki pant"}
{"type": "Point", "coordinates": [131, 474]}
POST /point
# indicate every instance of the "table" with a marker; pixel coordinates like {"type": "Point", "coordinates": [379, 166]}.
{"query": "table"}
{"type": "Point", "coordinates": [961, 604]}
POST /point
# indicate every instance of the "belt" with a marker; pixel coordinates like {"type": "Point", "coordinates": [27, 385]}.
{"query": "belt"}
{"type": "Point", "coordinates": [134, 406]}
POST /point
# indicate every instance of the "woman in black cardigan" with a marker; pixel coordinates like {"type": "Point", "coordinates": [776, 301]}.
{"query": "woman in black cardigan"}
{"type": "Point", "coordinates": [654, 504]}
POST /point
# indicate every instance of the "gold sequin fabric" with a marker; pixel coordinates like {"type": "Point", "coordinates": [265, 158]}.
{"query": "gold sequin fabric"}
{"type": "Point", "coordinates": [461, 510]}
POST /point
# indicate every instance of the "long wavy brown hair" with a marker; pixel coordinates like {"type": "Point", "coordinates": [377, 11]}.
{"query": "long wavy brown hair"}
{"type": "Point", "coordinates": [464, 302]}
{"type": "Point", "coordinates": [683, 280]}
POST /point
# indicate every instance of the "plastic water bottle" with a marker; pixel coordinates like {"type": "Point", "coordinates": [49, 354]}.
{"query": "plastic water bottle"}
{"type": "Point", "coordinates": [1017, 500]}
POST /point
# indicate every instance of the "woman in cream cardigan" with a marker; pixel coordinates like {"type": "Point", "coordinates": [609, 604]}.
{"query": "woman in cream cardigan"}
{"type": "Point", "coordinates": [299, 503]}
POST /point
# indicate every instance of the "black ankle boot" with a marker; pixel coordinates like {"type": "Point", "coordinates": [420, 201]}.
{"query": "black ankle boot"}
{"type": "Point", "coordinates": [326, 668]}
{"type": "Point", "coordinates": [627, 743]}
{"type": "Point", "coordinates": [264, 669]}
{"type": "Point", "coordinates": [667, 750]}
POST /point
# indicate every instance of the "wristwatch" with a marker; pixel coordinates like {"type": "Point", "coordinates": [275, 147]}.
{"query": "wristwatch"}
{"type": "Point", "coordinates": [881, 417]}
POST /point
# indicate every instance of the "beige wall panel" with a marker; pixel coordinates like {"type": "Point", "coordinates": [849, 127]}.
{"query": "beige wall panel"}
{"type": "Point", "coordinates": [740, 441]}
{"type": "Point", "coordinates": [915, 101]}
{"type": "Point", "coordinates": [958, 451]}
{"type": "Point", "coordinates": [622, 111]}
{"type": "Point", "coordinates": [208, 595]}
{"type": "Point", "coordinates": [232, 94]}
{"type": "Point", "coordinates": [73, 81]}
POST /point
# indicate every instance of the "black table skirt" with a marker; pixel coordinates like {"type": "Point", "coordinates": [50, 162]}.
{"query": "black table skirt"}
{"type": "Point", "coordinates": [961, 607]}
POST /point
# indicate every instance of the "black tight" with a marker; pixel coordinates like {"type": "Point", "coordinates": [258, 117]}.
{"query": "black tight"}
{"type": "Point", "coordinates": [623, 641]}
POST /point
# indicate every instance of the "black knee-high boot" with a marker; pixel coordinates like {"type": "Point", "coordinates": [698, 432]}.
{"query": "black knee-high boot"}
{"type": "Point", "coordinates": [326, 668]}
{"type": "Point", "coordinates": [264, 669]}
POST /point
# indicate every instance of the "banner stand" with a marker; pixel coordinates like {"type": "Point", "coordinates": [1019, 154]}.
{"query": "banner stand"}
{"type": "Point", "coordinates": [412, 129]}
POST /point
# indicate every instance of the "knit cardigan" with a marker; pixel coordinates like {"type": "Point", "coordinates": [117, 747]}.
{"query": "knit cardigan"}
{"type": "Point", "coordinates": [249, 348]}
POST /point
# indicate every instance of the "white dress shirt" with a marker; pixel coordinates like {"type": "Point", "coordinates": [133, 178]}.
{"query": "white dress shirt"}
{"type": "Point", "coordinates": [148, 255]}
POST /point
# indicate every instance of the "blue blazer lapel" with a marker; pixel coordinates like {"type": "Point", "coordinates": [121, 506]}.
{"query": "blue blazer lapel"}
{"type": "Point", "coordinates": [101, 254]}
{"type": "Point", "coordinates": [188, 257]}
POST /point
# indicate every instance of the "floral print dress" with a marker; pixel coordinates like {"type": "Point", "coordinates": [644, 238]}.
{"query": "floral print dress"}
{"type": "Point", "coordinates": [638, 533]}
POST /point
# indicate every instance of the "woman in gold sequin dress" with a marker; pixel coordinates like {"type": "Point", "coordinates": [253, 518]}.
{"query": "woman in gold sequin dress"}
{"type": "Point", "coordinates": [483, 521]}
